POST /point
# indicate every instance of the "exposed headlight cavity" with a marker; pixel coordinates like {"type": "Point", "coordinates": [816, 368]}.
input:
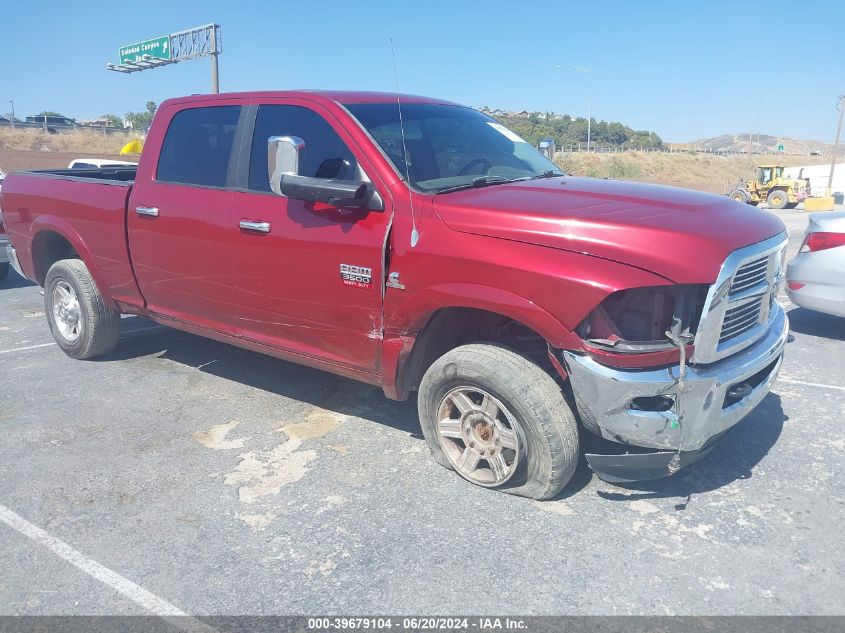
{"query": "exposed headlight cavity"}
{"type": "Point", "coordinates": [636, 320]}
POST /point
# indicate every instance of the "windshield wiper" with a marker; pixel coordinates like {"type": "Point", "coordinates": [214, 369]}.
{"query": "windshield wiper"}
{"type": "Point", "coordinates": [475, 183]}
{"type": "Point", "coordinates": [547, 174]}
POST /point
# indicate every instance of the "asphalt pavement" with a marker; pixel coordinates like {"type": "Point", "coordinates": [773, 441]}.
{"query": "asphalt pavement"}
{"type": "Point", "coordinates": [181, 473]}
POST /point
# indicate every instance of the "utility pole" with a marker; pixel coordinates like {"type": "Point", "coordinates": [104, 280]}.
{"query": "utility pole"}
{"type": "Point", "coordinates": [12, 101]}
{"type": "Point", "coordinates": [841, 104]}
{"type": "Point", "coordinates": [588, 72]}
{"type": "Point", "coordinates": [215, 78]}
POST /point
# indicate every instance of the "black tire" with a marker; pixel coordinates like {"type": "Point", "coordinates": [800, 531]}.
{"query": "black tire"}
{"type": "Point", "coordinates": [4, 270]}
{"type": "Point", "coordinates": [739, 195]}
{"type": "Point", "coordinates": [777, 199]}
{"type": "Point", "coordinates": [544, 423]}
{"type": "Point", "coordinates": [98, 324]}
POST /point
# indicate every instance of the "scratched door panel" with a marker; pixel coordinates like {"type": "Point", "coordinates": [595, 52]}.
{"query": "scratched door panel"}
{"type": "Point", "coordinates": [303, 286]}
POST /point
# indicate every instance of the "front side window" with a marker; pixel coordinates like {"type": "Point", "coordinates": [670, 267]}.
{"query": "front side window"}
{"type": "Point", "coordinates": [325, 154]}
{"type": "Point", "coordinates": [449, 146]}
{"type": "Point", "coordinates": [198, 146]}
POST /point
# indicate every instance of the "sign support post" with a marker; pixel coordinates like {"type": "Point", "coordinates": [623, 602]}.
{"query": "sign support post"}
{"type": "Point", "coordinates": [215, 79]}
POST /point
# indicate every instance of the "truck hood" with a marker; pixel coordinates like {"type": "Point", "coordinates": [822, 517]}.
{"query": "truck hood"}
{"type": "Point", "coordinates": [681, 235]}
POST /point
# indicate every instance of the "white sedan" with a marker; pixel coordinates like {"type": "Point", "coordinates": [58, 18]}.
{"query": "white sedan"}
{"type": "Point", "coordinates": [4, 240]}
{"type": "Point", "coordinates": [815, 279]}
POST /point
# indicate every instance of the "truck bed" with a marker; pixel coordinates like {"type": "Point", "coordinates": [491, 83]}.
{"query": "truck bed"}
{"type": "Point", "coordinates": [87, 204]}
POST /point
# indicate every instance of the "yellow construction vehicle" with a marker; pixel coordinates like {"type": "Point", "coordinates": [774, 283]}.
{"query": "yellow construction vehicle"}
{"type": "Point", "coordinates": [772, 187]}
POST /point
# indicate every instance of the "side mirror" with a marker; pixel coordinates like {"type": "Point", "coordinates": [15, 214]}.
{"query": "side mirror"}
{"type": "Point", "coordinates": [282, 158]}
{"type": "Point", "coordinates": [283, 172]}
{"type": "Point", "coordinates": [337, 193]}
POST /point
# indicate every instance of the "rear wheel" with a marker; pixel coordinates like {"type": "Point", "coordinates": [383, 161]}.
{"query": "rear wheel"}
{"type": "Point", "coordinates": [777, 199]}
{"type": "Point", "coordinates": [82, 324]}
{"type": "Point", "coordinates": [739, 195]}
{"type": "Point", "coordinates": [499, 421]}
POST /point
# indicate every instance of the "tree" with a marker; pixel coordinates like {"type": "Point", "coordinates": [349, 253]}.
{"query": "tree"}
{"type": "Point", "coordinates": [50, 113]}
{"type": "Point", "coordinates": [112, 120]}
{"type": "Point", "coordinates": [142, 120]}
{"type": "Point", "coordinates": [569, 132]}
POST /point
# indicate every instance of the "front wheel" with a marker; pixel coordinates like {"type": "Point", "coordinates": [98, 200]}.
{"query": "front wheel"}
{"type": "Point", "coordinates": [777, 199]}
{"type": "Point", "coordinates": [82, 324]}
{"type": "Point", "coordinates": [499, 421]}
{"type": "Point", "coordinates": [739, 195]}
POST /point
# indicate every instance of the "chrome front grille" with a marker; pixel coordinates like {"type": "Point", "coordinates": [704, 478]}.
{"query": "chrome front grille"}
{"type": "Point", "coordinates": [741, 304]}
{"type": "Point", "coordinates": [750, 274]}
{"type": "Point", "coordinates": [741, 319]}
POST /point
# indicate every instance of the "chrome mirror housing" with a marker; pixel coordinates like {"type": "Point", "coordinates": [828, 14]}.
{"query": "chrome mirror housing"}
{"type": "Point", "coordinates": [282, 158]}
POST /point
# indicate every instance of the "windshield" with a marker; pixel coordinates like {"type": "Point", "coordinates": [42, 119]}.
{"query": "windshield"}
{"type": "Point", "coordinates": [450, 147]}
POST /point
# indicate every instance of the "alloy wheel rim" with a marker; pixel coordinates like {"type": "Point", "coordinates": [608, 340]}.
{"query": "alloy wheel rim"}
{"type": "Point", "coordinates": [479, 435]}
{"type": "Point", "coordinates": [67, 314]}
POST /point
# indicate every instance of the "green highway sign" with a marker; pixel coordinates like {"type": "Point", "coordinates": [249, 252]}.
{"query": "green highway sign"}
{"type": "Point", "coordinates": [158, 47]}
{"type": "Point", "coordinates": [780, 148]}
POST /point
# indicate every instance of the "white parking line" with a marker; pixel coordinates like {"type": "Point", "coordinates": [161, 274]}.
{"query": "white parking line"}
{"type": "Point", "coordinates": [131, 331]}
{"type": "Point", "coordinates": [136, 594]}
{"type": "Point", "coordinates": [810, 384]}
{"type": "Point", "coordinates": [21, 349]}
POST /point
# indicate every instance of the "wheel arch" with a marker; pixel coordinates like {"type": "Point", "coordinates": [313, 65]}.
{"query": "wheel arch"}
{"type": "Point", "coordinates": [53, 239]}
{"type": "Point", "coordinates": [441, 319]}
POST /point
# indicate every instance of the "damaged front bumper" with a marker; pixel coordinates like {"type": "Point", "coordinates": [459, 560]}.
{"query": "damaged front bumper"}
{"type": "Point", "coordinates": [639, 407]}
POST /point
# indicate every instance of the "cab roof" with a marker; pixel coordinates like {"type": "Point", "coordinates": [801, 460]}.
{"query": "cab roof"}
{"type": "Point", "coordinates": [342, 97]}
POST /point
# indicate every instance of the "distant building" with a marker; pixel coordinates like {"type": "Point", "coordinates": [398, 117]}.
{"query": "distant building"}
{"type": "Point", "coordinates": [818, 176]}
{"type": "Point", "coordinates": [98, 123]}
{"type": "Point", "coordinates": [51, 120]}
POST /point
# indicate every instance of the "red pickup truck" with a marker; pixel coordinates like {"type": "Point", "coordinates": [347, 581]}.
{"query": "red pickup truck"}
{"type": "Point", "coordinates": [421, 246]}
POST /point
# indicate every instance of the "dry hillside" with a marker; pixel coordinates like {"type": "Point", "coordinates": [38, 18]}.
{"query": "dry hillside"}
{"type": "Point", "coordinates": [705, 172]}
{"type": "Point", "coordinates": [760, 143]}
{"type": "Point", "coordinates": [34, 149]}
{"type": "Point", "coordinates": [80, 141]}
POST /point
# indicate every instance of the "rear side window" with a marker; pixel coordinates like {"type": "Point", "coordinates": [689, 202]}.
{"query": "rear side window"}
{"type": "Point", "coordinates": [325, 154]}
{"type": "Point", "coordinates": [198, 146]}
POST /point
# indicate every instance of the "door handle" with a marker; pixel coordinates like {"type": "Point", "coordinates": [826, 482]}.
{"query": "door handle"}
{"type": "Point", "coordinates": [255, 227]}
{"type": "Point", "coordinates": [148, 211]}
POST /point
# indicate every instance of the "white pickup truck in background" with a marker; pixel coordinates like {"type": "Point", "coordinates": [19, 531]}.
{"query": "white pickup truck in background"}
{"type": "Point", "coordinates": [97, 163]}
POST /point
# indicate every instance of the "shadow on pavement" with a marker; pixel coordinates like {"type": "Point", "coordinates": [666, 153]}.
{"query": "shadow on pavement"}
{"type": "Point", "coordinates": [814, 323]}
{"type": "Point", "coordinates": [14, 280]}
{"type": "Point", "coordinates": [315, 387]}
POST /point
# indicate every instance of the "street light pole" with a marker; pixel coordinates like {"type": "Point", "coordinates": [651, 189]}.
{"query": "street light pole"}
{"type": "Point", "coordinates": [12, 101]}
{"type": "Point", "coordinates": [588, 72]}
{"type": "Point", "coordinates": [836, 144]}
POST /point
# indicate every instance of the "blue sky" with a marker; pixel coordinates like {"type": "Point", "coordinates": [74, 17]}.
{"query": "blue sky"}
{"type": "Point", "coordinates": [683, 69]}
